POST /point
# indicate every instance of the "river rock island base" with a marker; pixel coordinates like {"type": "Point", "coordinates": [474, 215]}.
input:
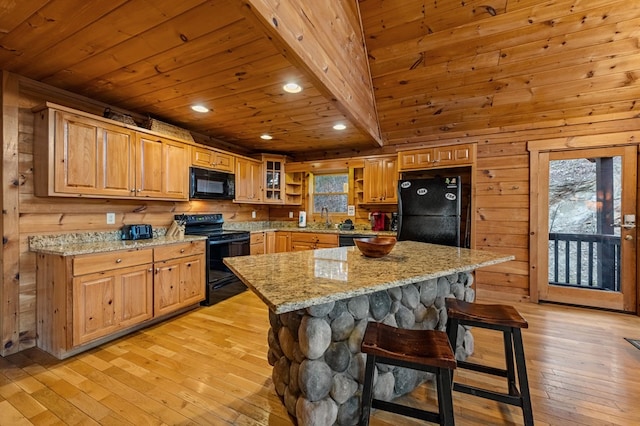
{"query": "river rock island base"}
{"type": "Point", "coordinates": [315, 352]}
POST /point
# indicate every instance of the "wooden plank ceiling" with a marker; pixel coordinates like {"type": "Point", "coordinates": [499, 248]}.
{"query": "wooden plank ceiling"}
{"type": "Point", "coordinates": [436, 69]}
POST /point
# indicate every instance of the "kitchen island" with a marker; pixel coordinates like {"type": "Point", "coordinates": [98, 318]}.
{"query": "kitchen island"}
{"type": "Point", "coordinates": [320, 302]}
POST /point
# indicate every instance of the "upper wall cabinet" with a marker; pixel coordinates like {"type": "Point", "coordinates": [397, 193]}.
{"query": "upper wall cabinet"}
{"type": "Point", "coordinates": [212, 159]}
{"type": "Point", "coordinates": [273, 176]}
{"type": "Point", "coordinates": [437, 157]}
{"type": "Point", "coordinates": [76, 155]}
{"type": "Point", "coordinates": [380, 181]}
{"type": "Point", "coordinates": [248, 180]}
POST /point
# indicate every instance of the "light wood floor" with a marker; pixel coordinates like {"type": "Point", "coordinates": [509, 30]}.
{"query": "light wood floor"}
{"type": "Point", "coordinates": [209, 367]}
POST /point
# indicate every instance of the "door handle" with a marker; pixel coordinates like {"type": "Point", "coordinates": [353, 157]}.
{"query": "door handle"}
{"type": "Point", "coordinates": [624, 225]}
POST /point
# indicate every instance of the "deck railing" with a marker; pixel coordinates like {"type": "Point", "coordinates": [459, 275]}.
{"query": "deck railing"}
{"type": "Point", "coordinates": [585, 260]}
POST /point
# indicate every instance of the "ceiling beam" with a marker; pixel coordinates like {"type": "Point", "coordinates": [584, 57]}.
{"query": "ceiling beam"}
{"type": "Point", "coordinates": [325, 40]}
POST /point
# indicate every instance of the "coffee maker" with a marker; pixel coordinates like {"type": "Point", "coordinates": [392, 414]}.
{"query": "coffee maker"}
{"type": "Point", "coordinates": [378, 221]}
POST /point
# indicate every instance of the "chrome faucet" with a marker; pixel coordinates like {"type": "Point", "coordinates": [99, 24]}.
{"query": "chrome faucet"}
{"type": "Point", "coordinates": [325, 211]}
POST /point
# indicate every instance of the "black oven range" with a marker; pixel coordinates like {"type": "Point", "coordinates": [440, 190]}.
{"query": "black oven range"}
{"type": "Point", "coordinates": [221, 244]}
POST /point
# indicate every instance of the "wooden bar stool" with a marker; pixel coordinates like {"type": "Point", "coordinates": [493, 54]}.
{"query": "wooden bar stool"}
{"type": "Point", "coordinates": [508, 320]}
{"type": "Point", "coordinates": [425, 350]}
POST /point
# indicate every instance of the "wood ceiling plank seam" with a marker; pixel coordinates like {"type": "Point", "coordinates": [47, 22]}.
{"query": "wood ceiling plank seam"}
{"type": "Point", "coordinates": [14, 13]}
{"type": "Point", "coordinates": [152, 75]}
{"type": "Point", "coordinates": [606, 33]}
{"type": "Point", "coordinates": [144, 75]}
{"type": "Point", "coordinates": [568, 74]}
{"type": "Point", "coordinates": [163, 40]}
{"type": "Point", "coordinates": [63, 18]}
{"type": "Point", "coordinates": [109, 30]}
{"type": "Point", "coordinates": [495, 26]}
{"type": "Point", "coordinates": [261, 75]}
{"type": "Point", "coordinates": [522, 122]}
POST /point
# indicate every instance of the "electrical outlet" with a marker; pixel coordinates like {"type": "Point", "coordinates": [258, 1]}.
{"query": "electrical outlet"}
{"type": "Point", "coordinates": [253, 214]}
{"type": "Point", "coordinates": [290, 215]}
{"type": "Point", "coordinates": [111, 218]}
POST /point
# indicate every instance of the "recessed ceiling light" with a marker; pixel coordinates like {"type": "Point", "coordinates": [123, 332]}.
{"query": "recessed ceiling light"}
{"type": "Point", "coordinates": [266, 137]}
{"type": "Point", "coordinates": [199, 108]}
{"type": "Point", "coordinates": [292, 88]}
{"type": "Point", "coordinates": [339, 126]}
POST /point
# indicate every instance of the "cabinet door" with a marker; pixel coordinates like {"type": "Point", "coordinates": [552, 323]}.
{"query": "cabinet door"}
{"type": "Point", "coordinates": [192, 279]}
{"type": "Point", "coordinates": [211, 159]}
{"type": "Point", "coordinates": [162, 169]}
{"type": "Point", "coordinates": [380, 180]}
{"type": "Point", "coordinates": [282, 242]}
{"type": "Point", "coordinates": [149, 163]}
{"type": "Point", "coordinates": [257, 243]}
{"type": "Point", "coordinates": [166, 286]}
{"type": "Point", "coordinates": [248, 178]}
{"type": "Point", "coordinates": [92, 158]}
{"type": "Point", "coordinates": [273, 175]}
{"type": "Point", "coordinates": [94, 306]}
{"type": "Point", "coordinates": [104, 303]}
{"type": "Point", "coordinates": [175, 181]}
{"type": "Point", "coordinates": [136, 295]}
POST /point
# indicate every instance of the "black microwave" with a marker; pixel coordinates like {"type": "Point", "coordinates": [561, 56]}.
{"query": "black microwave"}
{"type": "Point", "coordinates": [211, 185]}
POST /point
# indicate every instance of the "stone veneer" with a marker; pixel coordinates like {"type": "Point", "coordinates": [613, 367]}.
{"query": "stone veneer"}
{"type": "Point", "coordinates": [315, 352]}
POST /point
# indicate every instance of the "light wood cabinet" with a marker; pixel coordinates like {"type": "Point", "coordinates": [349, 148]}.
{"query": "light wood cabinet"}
{"type": "Point", "coordinates": [248, 180]}
{"type": "Point", "coordinates": [272, 179]}
{"type": "Point", "coordinates": [437, 157]}
{"type": "Point", "coordinates": [257, 244]}
{"type": "Point", "coordinates": [162, 168]}
{"type": "Point", "coordinates": [212, 159]}
{"type": "Point", "coordinates": [179, 274]}
{"type": "Point", "coordinates": [86, 300]}
{"type": "Point", "coordinates": [293, 188]}
{"type": "Point", "coordinates": [76, 155]}
{"type": "Point", "coordinates": [380, 181]}
{"type": "Point", "coordinates": [312, 241]}
{"type": "Point", "coordinates": [106, 302]}
{"type": "Point", "coordinates": [278, 241]}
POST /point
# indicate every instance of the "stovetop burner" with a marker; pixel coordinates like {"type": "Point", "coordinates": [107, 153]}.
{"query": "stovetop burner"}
{"type": "Point", "coordinates": [210, 225]}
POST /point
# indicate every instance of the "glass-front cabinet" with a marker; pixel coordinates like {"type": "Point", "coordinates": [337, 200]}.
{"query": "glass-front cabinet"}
{"type": "Point", "coordinates": [273, 167]}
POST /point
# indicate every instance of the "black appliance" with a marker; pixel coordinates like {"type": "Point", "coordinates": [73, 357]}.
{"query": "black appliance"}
{"type": "Point", "coordinates": [220, 244]}
{"type": "Point", "coordinates": [207, 184]}
{"type": "Point", "coordinates": [137, 232]}
{"type": "Point", "coordinates": [429, 210]}
{"type": "Point", "coordinates": [346, 240]}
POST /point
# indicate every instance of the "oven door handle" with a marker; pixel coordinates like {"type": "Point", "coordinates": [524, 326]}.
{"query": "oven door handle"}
{"type": "Point", "coordinates": [232, 240]}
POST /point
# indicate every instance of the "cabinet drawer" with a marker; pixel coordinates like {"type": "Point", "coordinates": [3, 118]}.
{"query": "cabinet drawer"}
{"type": "Point", "coordinates": [257, 237]}
{"type": "Point", "coordinates": [313, 238]}
{"type": "Point", "coordinates": [173, 251]}
{"type": "Point", "coordinates": [106, 261]}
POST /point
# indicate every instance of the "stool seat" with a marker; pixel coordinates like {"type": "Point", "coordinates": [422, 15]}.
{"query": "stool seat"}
{"type": "Point", "coordinates": [425, 350]}
{"type": "Point", "coordinates": [422, 347]}
{"type": "Point", "coordinates": [504, 315]}
{"type": "Point", "coordinates": [507, 320]}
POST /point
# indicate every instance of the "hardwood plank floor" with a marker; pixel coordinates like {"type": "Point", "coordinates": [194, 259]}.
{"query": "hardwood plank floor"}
{"type": "Point", "coordinates": [209, 367]}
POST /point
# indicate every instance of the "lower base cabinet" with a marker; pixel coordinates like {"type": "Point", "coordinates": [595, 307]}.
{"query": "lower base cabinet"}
{"type": "Point", "coordinates": [86, 300]}
{"type": "Point", "coordinates": [312, 241]}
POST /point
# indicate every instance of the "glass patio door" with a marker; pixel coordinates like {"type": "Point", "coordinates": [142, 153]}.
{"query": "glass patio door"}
{"type": "Point", "coordinates": [591, 227]}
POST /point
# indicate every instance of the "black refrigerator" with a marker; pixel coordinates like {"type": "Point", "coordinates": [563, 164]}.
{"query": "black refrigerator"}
{"type": "Point", "coordinates": [429, 210]}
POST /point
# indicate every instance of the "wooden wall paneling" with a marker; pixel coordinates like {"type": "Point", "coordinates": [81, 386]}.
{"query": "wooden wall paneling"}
{"type": "Point", "coordinates": [10, 284]}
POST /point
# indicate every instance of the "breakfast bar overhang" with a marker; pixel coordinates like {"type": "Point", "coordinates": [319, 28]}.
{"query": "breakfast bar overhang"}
{"type": "Point", "coordinates": [321, 300]}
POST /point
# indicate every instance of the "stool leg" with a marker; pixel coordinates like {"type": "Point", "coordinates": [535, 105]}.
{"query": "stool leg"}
{"type": "Point", "coordinates": [444, 378]}
{"type": "Point", "coordinates": [508, 356]}
{"type": "Point", "coordinates": [527, 411]}
{"type": "Point", "coordinates": [367, 390]}
{"type": "Point", "coordinates": [452, 333]}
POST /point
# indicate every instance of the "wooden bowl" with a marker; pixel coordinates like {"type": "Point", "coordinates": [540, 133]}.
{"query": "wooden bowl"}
{"type": "Point", "coordinates": [375, 246]}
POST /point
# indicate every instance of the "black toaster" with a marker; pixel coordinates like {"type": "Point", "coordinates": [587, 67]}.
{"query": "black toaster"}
{"type": "Point", "coordinates": [137, 232]}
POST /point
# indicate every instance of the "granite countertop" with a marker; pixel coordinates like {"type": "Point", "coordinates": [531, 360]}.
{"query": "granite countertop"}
{"type": "Point", "coordinates": [75, 246]}
{"type": "Point", "coordinates": [289, 226]}
{"type": "Point", "coordinates": [296, 280]}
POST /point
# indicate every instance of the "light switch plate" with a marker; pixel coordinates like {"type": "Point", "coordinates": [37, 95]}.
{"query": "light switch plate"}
{"type": "Point", "coordinates": [111, 218]}
{"type": "Point", "coordinates": [351, 210]}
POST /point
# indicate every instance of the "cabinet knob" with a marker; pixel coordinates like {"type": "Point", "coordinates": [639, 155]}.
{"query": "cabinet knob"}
{"type": "Point", "coordinates": [150, 269]}
{"type": "Point", "coordinates": [157, 270]}
{"type": "Point", "coordinates": [133, 190]}
{"type": "Point", "coordinates": [139, 189]}
{"type": "Point", "coordinates": [118, 260]}
{"type": "Point", "coordinates": [181, 250]}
